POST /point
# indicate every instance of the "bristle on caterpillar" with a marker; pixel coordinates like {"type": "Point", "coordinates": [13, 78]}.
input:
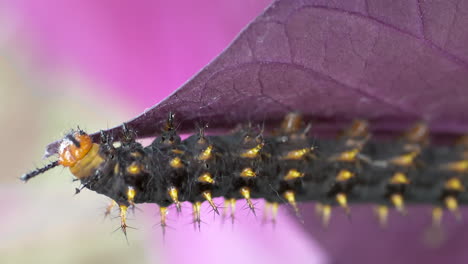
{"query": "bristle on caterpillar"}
{"type": "Point", "coordinates": [287, 167]}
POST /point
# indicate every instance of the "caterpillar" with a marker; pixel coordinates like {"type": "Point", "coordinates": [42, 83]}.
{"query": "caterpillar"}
{"type": "Point", "coordinates": [286, 166]}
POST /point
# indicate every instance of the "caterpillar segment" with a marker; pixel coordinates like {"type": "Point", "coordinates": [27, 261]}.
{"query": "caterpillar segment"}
{"type": "Point", "coordinates": [285, 167]}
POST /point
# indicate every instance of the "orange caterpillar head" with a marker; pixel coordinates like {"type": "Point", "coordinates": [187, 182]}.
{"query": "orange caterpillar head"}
{"type": "Point", "coordinates": [74, 147]}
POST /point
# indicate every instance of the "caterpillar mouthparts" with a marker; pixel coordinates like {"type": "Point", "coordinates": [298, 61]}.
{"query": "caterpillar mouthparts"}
{"type": "Point", "coordinates": [285, 167]}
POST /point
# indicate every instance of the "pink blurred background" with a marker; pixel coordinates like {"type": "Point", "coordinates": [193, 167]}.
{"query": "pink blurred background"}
{"type": "Point", "coordinates": [97, 64]}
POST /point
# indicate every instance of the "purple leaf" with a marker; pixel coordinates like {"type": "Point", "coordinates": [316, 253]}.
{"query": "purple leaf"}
{"type": "Point", "coordinates": [391, 62]}
{"type": "Point", "coordinates": [407, 239]}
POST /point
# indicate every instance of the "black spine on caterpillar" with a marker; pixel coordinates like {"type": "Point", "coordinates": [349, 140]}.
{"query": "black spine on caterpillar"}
{"type": "Point", "coordinates": [284, 167]}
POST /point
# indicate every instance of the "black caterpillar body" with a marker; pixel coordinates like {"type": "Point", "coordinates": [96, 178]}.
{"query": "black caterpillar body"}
{"type": "Point", "coordinates": [287, 166]}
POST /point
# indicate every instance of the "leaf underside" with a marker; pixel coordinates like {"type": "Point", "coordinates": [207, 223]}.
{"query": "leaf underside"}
{"type": "Point", "coordinates": [390, 63]}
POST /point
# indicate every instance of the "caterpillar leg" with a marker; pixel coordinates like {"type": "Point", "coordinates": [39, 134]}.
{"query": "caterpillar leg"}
{"type": "Point", "coordinates": [324, 211]}
{"type": "Point", "coordinates": [196, 215]}
{"type": "Point", "coordinates": [109, 208]}
{"type": "Point", "coordinates": [381, 212]}
{"type": "Point", "coordinates": [163, 211]}
{"type": "Point", "coordinates": [245, 192]}
{"type": "Point", "coordinates": [266, 212]}
{"type": "Point", "coordinates": [232, 204]}
{"type": "Point", "coordinates": [270, 213]}
{"type": "Point", "coordinates": [123, 219]}
{"type": "Point", "coordinates": [229, 205]}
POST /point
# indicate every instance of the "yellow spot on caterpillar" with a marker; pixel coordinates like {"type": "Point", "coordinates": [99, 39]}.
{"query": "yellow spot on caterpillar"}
{"type": "Point", "coordinates": [457, 166]}
{"type": "Point", "coordinates": [382, 215]}
{"type": "Point", "coordinates": [207, 196]}
{"type": "Point", "coordinates": [178, 151]}
{"type": "Point", "coordinates": [134, 168]}
{"type": "Point", "coordinates": [296, 154]}
{"type": "Point", "coordinates": [399, 178]}
{"type": "Point", "coordinates": [454, 184]}
{"type": "Point", "coordinates": [131, 193]}
{"type": "Point", "coordinates": [174, 194]}
{"type": "Point", "coordinates": [135, 154]}
{"type": "Point", "coordinates": [206, 154]}
{"type": "Point", "coordinates": [342, 200]}
{"type": "Point", "coordinates": [116, 169]}
{"type": "Point", "coordinates": [206, 178]}
{"type": "Point", "coordinates": [253, 152]}
{"type": "Point", "coordinates": [405, 160]}
{"type": "Point", "coordinates": [347, 156]}
{"type": "Point", "coordinates": [247, 173]}
{"type": "Point", "coordinates": [293, 174]}
{"type": "Point", "coordinates": [245, 192]}
{"type": "Point", "coordinates": [452, 205]}
{"type": "Point", "coordinates": [291, 198]}
{"type": "Point", "coordinates": [437, 214]}
{"type": "Point", "coordinates": [176, 163]}
{"type": "Point", "coordinates": [344, 175]}
{"type": "Point", "coordinates": [398, 202]}
{"type": "Point", "coordinates": [123, 212]}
